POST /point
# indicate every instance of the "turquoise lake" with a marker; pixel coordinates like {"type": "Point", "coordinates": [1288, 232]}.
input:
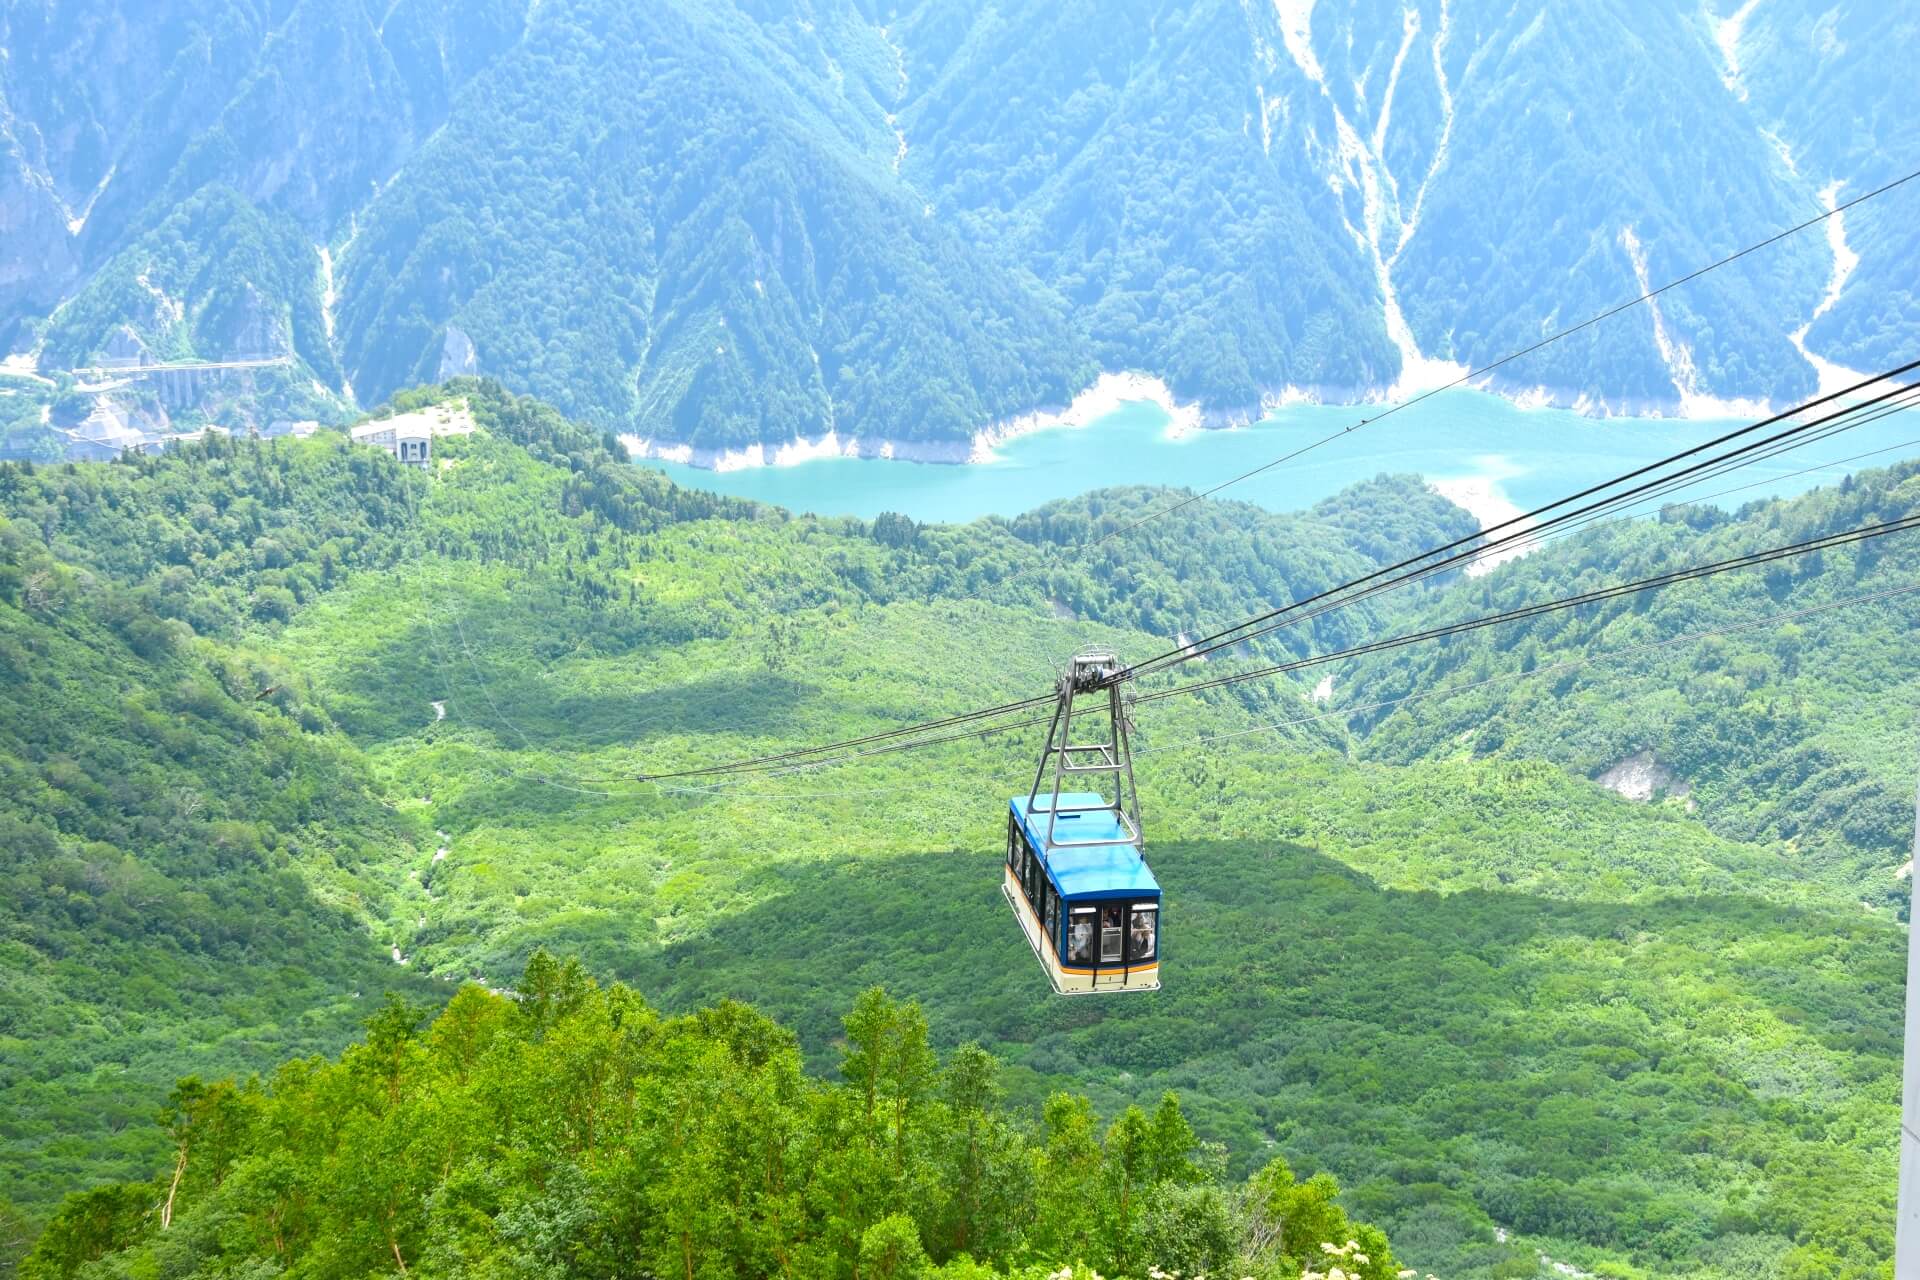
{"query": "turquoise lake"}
{"type": "Point", "coordinates": [1531, 456]}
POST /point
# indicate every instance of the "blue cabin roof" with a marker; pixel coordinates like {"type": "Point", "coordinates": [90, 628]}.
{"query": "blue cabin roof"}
{"type": "Point", "coordinates": [1113, 870]}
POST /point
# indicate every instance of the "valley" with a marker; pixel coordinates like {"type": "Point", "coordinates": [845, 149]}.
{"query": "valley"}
{"type": "Point", "coordinates": [1416, 945]}
{"type": "Point", "coordinates": [541, 541]}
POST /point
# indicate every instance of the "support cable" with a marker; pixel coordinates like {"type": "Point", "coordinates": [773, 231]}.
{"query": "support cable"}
{"type": "Point", "coordinates": [1834, 407]}
{"type": "Point", "coordinates": [1618, 591]}
{"type": "Point", "coordinates": [1520, 531]}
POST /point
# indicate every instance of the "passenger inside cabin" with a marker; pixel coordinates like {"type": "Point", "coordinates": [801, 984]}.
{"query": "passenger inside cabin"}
{"type": "Point", "coordinates": [1080, 940]}
{"type": "Point", "coordinates": [1143, 935]}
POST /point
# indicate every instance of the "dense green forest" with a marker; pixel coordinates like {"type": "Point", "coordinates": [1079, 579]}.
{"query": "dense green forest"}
{"type": "Point", "coordinates": [189, 857]}
{"type": "Point", "coordinates": [729, 223]}
{"type": "Point", "coordinates": [1801, 733]}
{"type": "Point", "coordinates": [574, 1130]}
{"type": "Point", "coordinates": [289, 726]}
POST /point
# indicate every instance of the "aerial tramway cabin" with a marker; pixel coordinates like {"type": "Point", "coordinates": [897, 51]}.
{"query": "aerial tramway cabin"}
{"type": "Point", "coordinates": [1085, 898]}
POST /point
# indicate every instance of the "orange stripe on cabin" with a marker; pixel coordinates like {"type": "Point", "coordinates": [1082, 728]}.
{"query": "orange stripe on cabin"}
{"type": "Point", "coordinates": [1020, 897]}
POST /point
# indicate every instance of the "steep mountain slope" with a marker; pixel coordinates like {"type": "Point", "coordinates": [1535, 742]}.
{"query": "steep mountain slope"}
{"type": "Point", "coordinates": [734, 224]}
{"type": "Point", "coordinates": [1820, 79]}
{"type": "Point", "coordinates": [203, 157]}
{"type": "Point", "coordinates": [1116, 153]}
{"type": "Point", "coordinates": [188, 854]}
{"type": "Point", "coordinates": [1607, 111]}
{"type": "Point", "coordinates": [717, 262]}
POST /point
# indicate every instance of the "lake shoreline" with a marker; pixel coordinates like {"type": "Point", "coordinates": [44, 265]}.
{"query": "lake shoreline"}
{"type": "Point", "coordinates": [1109, 393]}
{"type": "Point", "coordinates": [1481, 497]}
{"type": "Point", "coordinates": [1112, 391]}
{"type": "Point", "coordinates": [1524, 456]}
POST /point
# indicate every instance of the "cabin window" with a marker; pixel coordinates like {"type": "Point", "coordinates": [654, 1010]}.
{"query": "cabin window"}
{"type": "Point", "coordinates": [1052, 918]}
{"type": "Point", "coordinates": [1112, 931]}
{"type": "Point", "coordinates": [1143, 936]}
{"type": "Point", "coordinates": [1080, 930]}
{"type": "Point", "coordinates": [1013, 843]}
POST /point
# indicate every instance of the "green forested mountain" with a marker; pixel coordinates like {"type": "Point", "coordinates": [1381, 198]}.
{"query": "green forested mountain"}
{"type": "Point", "coordinates": [734, 223]}
{"type": "Point", "coordinates": [284, 716]}
{"type": "Point", "coordinates": [1832, 109]}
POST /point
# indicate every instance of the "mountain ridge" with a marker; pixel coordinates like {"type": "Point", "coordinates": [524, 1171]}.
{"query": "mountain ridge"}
{"type": "Point", "coordinates": [914, 226]}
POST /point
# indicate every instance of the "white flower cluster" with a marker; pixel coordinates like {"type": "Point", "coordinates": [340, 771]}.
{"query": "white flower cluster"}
{"type": "Point", "coordinates": [1350, 1254]}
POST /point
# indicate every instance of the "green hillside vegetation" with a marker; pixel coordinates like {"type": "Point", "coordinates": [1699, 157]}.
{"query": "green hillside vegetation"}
{"type": "Point", "coordinates": [1481, 992]}
{"type": "Point", "coordinates": [189, 859]}
{"type": "Point", "coordinates": [234, 265]}
{"type": "Point", "coordinates": [1800, 733]}
{"type": "Point", "coordinates": [24, 431]}
{"type": "Point", "coordinates": [576, 1131]}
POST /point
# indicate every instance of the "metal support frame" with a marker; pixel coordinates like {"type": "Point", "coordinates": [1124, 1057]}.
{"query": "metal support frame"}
{"type": "Point", "coordinates": [1094, 674]}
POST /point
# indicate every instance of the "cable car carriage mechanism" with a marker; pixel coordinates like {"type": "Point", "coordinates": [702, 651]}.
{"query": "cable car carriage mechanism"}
{"type": "Point", "coordinates": [1076, 872]}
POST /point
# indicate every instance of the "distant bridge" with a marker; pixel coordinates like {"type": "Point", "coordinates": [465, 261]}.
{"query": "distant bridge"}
{"type": "Point", "coordinates": [180, 383]}
{"type": "Point", "coordinates": [179, 366]}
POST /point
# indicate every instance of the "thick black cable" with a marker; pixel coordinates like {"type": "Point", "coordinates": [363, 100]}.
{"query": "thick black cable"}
{"type": "Point", "coordinates": [727, 792]}
{"type": "Point", "coordinates": [1593, 514]}
{"type": "Point", "coordinates": [1808, 547]}
{"type": "Point", "coordinates": [758, 762]}
{"type": "Point", "coordinates": [1899, 404]}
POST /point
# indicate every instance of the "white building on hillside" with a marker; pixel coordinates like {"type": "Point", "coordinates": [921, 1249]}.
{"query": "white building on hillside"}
{"type": "Point", "coordinates": [411, 442]}
{"type": "Point", "coordinates": [409, 436]}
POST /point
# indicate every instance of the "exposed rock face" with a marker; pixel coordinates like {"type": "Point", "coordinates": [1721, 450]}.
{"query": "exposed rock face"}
{"type": "Point", "coordinates": [1640, 777]}
{"type": "Point", "coordinates": [36, 249]}
{"type": "Point", "coordinates": [255, 330]}
{"type": "Point", "coordinates": [457, 356]}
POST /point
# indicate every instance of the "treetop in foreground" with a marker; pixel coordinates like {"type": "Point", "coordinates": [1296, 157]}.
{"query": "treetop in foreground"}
{"type": "Point", "coordinates": [570, 1129]}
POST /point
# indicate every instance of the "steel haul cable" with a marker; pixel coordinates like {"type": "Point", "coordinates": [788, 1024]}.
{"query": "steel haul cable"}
{"type": "Point", "coordinates": [728, 792]}
{"type": "Point", "coordinates": [1524, 537]}
{"type": "Point", "coordinates": [1522, 526]}
{"type": "Point", "coordinates": [1600, 595]}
